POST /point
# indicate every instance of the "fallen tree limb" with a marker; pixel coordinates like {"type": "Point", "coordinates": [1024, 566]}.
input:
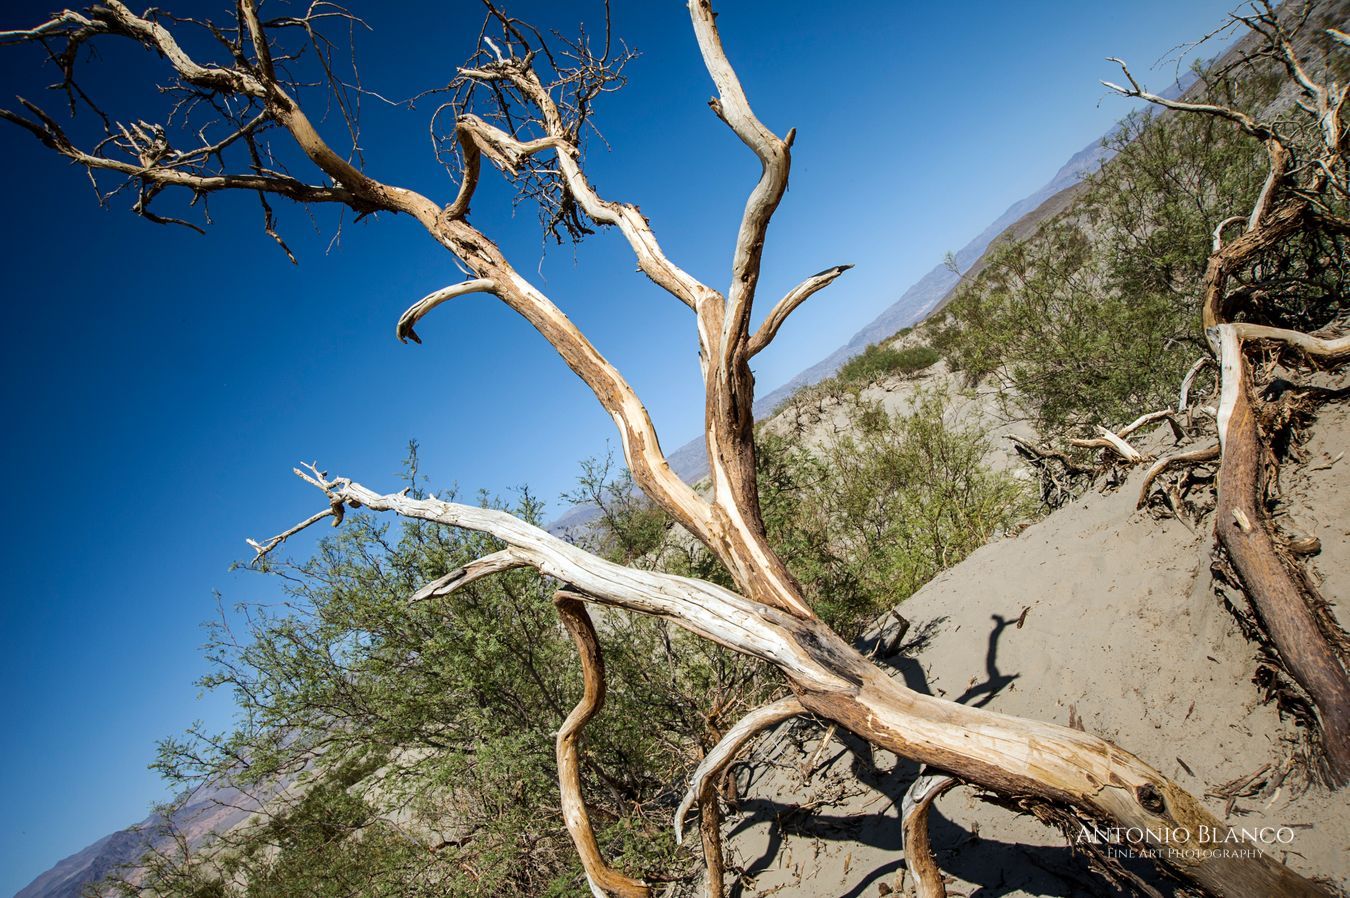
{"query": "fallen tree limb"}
{"type": "Point", "coordinates": [1105, 439]}
{"type": "Point", "coordinates": [1190, 456]}
{"type": "Point", "coordinates": [1038, 761]}
{"type": "Point", "coordinates": [1280, 599]}
{"type": "Point", "coordinates": [1322, 349]}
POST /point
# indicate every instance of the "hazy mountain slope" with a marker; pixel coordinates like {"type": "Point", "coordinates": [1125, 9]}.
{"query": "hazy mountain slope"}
{"type": "Point", "coordinates": [934, 288]}
{"type": "Point", "coordinates": [924, 296]}
{"type": "Point", "coordinates": [690, 461]}
{"type": "Point", "coordinates": [212, 810]}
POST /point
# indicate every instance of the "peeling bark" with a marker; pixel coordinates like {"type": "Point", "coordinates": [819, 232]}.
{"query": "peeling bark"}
{"type": "Point", "coordinates": [1277, 594]}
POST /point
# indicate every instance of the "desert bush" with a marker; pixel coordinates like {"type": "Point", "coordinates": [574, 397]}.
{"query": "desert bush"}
{"type": "Point", "coordinates": [878, 361]}
{"type": "Point", "coordinates": [861, 521]}
{"type": "Point", "coordinates": [870, 516]}
{"type": "Point", "coordinates": [1096, 315]}
{"type": "Point", "coordinates": [456, 702]}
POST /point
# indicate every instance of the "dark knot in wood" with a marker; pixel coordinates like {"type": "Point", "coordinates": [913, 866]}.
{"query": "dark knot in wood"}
{"type": "Point", "coordinates": [1150, 799]}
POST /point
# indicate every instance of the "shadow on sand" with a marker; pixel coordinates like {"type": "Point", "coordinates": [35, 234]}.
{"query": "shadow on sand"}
{"type": "Point", "coordinates": [995, 868]}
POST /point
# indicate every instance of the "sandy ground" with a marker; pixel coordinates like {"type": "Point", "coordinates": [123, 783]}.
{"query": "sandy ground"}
{"type": "Point", "coordinates": [1122, 630]}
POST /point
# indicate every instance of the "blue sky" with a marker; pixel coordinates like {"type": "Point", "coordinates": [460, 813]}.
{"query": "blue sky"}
{"type": "Point", "coordinates": [158, 385]}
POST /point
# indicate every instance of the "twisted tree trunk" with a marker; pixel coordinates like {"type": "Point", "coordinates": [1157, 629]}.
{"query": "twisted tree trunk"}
{"type": "Point", "coordinates": [1302, 185]}
{"type": "Point", "coordinates": [1282, 599]}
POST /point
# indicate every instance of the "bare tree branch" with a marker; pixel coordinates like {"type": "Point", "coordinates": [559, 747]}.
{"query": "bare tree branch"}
{"type": "Point", "coordinates": [1190, 456]}
{"type": "Point", "coordinates": [404, 330]}
{"type": "Point", "coordinates": [733, 107]}
{"type": "Point", "coordinates": [716, 761]}
{"type": "Point", "coordinates": [795, 297]}
{"type": "Point", "coordinates": [1256, 129]}
{"type": "Point", "coordinates": [604, 880]}
{"type": "Point", "coordinates": [919, 797]}
{"type": "Point", "coordinates": [507, 559]}
{"type": "Point", "coordinates": [1105, 439]}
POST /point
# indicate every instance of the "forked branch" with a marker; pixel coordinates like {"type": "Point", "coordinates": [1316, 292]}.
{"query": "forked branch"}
{"type": "Point", "coordinates": [733, 107]}
{"type": "Point", "coordinates": [1188, 457]}
{"type": "Point", "coordinates": [1249, 125]}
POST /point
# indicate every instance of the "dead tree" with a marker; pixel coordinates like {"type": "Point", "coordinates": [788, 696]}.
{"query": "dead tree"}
{"type": "Point", "coordinates": [524, 107]}
{"type": "Point", "coordinates": [1304, 192]}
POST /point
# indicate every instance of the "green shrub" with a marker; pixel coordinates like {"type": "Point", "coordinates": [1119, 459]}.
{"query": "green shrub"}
{"type": "Point", "coordinates": [456, 702]}
{"type": "Point", "coordinates": [878, 361]}
{"type": "Point", "coordinates": [866, 519]}
{"type": "Point", "coordinates": [1095, 317]}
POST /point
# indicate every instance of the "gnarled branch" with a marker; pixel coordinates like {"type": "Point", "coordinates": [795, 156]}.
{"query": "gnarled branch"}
{"type": "Point", "coordinates": [1190, 456]}
{"type": "Point", "coordinates": [733, 107]}
{"type": "Point", "coordinates": [604, 880]}
{"type": "Point", "coordinates": [1043, 761]}
{"type": "Point", "coordinates": [716, 761]}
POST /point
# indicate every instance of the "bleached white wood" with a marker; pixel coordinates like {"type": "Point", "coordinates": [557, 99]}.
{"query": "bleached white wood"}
{"type": "Point", "coordinates": [716, 761]}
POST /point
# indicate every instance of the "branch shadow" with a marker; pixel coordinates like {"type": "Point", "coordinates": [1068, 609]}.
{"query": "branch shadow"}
{"type": "Point", "coordinates": [996, 868]}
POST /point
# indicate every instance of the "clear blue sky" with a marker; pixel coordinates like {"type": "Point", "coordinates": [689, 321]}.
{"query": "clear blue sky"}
{"type": "Point", "coordinates": [158, 385]}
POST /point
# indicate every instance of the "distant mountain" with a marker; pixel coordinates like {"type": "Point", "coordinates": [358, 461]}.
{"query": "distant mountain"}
{"type": "Point", "coordinates": [211, 810]}
{"type": "Point", "coordinates": [690, 461]}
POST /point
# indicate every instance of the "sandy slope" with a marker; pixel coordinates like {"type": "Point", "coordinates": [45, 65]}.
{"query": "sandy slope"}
{"type": "Point", "coordinates": [1123, 629]}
